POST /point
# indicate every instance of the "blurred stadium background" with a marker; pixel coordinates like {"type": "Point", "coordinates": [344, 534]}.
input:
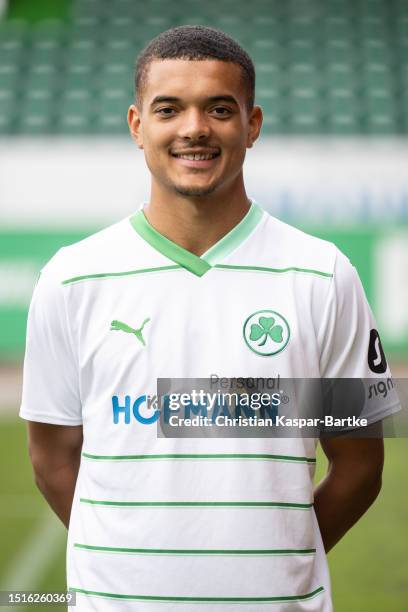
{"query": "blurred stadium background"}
{"type": "Point", "coordinates": [332, 78]}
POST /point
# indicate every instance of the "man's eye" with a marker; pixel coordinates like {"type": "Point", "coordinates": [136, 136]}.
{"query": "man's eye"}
{"type": "Point", "coordinates": [221, 111]}
{"type": "Point", "coordinates": [167, 111]}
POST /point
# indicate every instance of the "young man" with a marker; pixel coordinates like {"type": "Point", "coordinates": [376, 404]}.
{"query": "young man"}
{"type": "Point", "coordinates": [201, 280]}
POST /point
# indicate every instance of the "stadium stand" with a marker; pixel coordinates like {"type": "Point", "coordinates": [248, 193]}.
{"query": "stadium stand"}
{"type": "Point", "coordinates": [337, 67]}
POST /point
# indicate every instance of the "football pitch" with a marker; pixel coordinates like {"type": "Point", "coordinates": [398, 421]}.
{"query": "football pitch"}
{"type": "Point", "coordinates": [369, 566]}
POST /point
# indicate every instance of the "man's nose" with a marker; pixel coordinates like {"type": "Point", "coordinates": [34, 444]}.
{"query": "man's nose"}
{"type": "Point", "coordinates": [195, 125]}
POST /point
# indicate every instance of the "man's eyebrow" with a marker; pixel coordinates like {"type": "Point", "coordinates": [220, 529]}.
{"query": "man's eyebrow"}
{"type": "Point", "coordinates": [223, 98]}
{"type": "Point", "coordinates": [219, 98]}
{"type": "Point", "coordinates": [158, 99]}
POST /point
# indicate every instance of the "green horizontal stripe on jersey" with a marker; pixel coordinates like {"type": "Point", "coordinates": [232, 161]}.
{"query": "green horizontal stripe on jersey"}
{"type": "Point", "coordinates": [276, 270]}
{"type": "Point", "coordinates": [199, 551]}
{"type": "Point", "coordinates": [237, 600]}
{"type": "Point", "coordinates": [199, 504]}
{"type": "Point", "coordinates": [199, 456]}
{"type": "Point", "coordinates": [107, 275]}
{"type": "Point", "coordinates": [76, 279]}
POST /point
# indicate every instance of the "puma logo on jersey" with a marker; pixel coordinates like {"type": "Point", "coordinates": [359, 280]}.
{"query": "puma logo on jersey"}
{"type": "Point", "coordinates": [119, 326]}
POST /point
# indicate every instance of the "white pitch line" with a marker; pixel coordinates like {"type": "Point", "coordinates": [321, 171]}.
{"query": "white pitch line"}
{"type": "Point", "coordinates": [30, 565]}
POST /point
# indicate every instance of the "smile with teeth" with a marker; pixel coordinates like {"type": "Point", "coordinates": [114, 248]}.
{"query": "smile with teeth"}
{"type": "Point", "coordinates": [196, 156]}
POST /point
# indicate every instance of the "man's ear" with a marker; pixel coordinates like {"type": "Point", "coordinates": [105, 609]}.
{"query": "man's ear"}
{"type": "Point", "coordinates": [255, 124]}
{"type": "Point", "coordinates": [135, 126]}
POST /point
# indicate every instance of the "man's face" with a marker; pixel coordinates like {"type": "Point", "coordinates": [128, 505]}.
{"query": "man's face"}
{"type": "Point", "coordinates": [194, 125]}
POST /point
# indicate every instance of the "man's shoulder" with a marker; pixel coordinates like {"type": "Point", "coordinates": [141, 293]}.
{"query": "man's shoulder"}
{"type": "Point", "coordinates": [116, 248]}
{"type": "Point", "coordinates": [286, 246]}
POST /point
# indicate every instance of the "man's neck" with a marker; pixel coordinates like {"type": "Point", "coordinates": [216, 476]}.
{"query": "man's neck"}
{"type": "Point", "coordinates": [196, 223]}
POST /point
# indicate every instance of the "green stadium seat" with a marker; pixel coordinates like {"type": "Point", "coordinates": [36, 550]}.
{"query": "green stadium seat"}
{"type": "Point", "coordinates": [342, 102]}
{"type": "Point", "coordinates": [82, 56]}
{"type": "Point", "coordinates": [274, 123]}
{"type": "Point", "coordinates": [273, 103]}
{"type": "Point", "coordinates": [378, 75]}
{"type": "Point", "coordinates": [236, 28]}
{"type": "Point", "coordinates": [7, 122]}
{"type": "Point", "coordinates": [115, 76]}
{"type": "Point", "coordinates": [118, 52]}
{"type": "Point", "coordinates": [48, 34]}
{"type": "Point", "coordinates": [305, 123]}
{"type": "Point", "coordinates": [376, 51]}
{"type": "Point", "coordinates": [303, 50]}
{"type": "Point", "coordinates": [33, 106]}
{"type": "Point", "coordinates": [304, 75]}
{"type": "Point", "coordinates": [9, 75]}
{"type": "Point", "coordinates": [381, 111]}
{"type": "Point", "coordinates": [128, 7]}
{"type": "Point", "coordinates": [382, 124]}
{"type": "Point", "coordinates": [41, 55]}
{"type": "Point", "coordinates": [341, 51]}
{"type": "Point", "coordinates": [14, 30]}
{"type": "Point", "coordinates": [267, 27]}
{"type": "Point", "coordinates": [401, 7]}
{"type": "Point", "coordinates": [304, 107]}
{"type": "Point", "coordinates": [81, 42]}
{"type": "Point", "coordinates": [403, 81]}
{"type": "Point", "coordinates": [11, 51]}
{"type": "Point", "coordinates": [71, 105]}
{"type": "Point", "coordinates": [41, 95]}
{"type": "Point", "coordinates": [402, 45]}
{"type": "Point", "coordinates": [71, 123]}
{"type": "Point", "coordinates": [127, 30]}
{"type": "Point", "coordinates": [91, 8]}
{"type": "Point", "coordinates": [89, 21]}
{"type": "Point", "coordinates": [343, 124]}
{"type": "Point", "coordinates": [80, 76]}
{"type": "Point", "coordinates": [157, 22]}
{"type": "Point", "coordinates": [190, 18]}
{"type": "Point", "coordinates": [7, 106]}
{"type": "Point", "coordinates": [302, 29]}
{"type": "Point", "coordinates": [35, 123]}
{"type": "Point", "coordinates": [112, 124]}
{"type": "Point", "coordinates": [113, 101]}
{"type": "Point", "coordinates": [41, 76]}
{"type": "Point", "coordinates": [269, 85]}
{"type": "Point", "coordinates": [372, 26]}
{"type": "Point", "coordinates": [265, 50]}
{"type": "Point", "coordinates": [341, 76]}
{"type": "Point", "coordinates": [373, 8]}
{"type": "Point", "coordinates": [338, 27]}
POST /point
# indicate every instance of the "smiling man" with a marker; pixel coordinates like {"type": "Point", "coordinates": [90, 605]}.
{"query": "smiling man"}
{"type": "Point", "coordinates": [199, 281]}
{"type": "Point", "coordinates": [194, 120]}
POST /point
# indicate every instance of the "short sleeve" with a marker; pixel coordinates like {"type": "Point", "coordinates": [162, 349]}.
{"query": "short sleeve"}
{"type": "Point", "coordinates": [50, 379]}
{"type": "Point", "coordinates": [350, 343]}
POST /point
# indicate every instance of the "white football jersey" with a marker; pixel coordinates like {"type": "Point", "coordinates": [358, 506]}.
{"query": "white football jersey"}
{"type": "Point", "coordinates": [204, 523]}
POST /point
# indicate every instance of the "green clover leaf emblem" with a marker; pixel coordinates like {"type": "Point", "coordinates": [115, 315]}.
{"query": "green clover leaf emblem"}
{"type": "Point", "coordinates": [266, 332]}
{"type": "Point", "coordinates": [264, 329]}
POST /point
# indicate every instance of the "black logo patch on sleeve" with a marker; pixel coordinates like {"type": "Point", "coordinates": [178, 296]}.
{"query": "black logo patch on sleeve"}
{"type": "Point", "coordinates": [376, 358]}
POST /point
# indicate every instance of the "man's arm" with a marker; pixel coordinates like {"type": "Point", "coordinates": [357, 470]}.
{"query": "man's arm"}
{"type": "Point", "coordinates": [351, 485]}
{"type": "Point", "coordinates": [55, 452]}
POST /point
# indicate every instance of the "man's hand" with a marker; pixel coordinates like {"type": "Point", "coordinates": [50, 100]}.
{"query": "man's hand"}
{"type": "Point", "coordinates": [351, 485]}
{"type": "Point", "coordinates": [55, 452]}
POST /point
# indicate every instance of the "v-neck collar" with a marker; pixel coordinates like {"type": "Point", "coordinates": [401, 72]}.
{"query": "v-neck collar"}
{"type": "Point", "coordinates": [195, 264]}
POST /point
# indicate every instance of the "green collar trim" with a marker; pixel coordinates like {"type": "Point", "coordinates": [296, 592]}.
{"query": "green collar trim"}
{"type": "Point", "coordinates": [189, 261]}
{"type": "Point", "coordinates": [170, 249]}
{"type": "Point", "coordinates": [235, 237]}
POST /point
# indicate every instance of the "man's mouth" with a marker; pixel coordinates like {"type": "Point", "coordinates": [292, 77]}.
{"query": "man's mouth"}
{"type": "Point", "coordinates": [202, 156]}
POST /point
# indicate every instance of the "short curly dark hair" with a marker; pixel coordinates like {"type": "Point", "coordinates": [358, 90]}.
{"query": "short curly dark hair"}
{"type": "Point", "coordinates": [195, 42]}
